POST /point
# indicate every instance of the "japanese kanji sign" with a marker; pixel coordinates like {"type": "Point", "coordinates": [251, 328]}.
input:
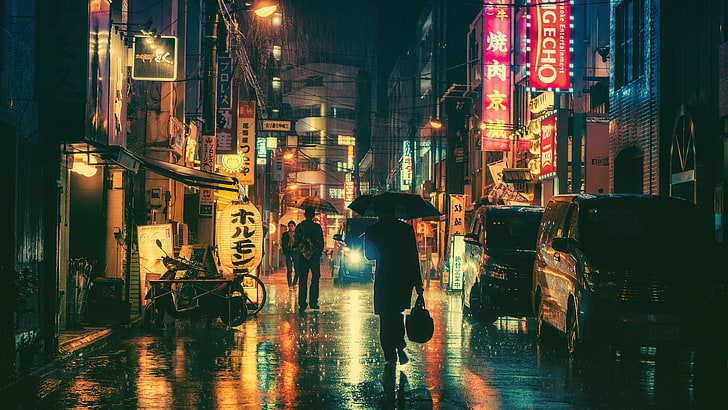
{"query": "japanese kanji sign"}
{"type": "Point", "coordinates": [239, 237]}
{"type": "Point", "coordinates": [155, 58]}
{"type": "Point", "coordinates": [246, 141]}
{"type": "Point", "coordinates": [457, 214]}
{"type": "Point", "coordinates": [226, 126]}
{"type": "Point", "coordinates": [496, 76]}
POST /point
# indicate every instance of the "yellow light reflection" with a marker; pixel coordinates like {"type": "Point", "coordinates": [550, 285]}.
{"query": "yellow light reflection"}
{"type": "Point", "coordinates": [355, 346]}
{"type": "Point", "coordinates": [153, 389]}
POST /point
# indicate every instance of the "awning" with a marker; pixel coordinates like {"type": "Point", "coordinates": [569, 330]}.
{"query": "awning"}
{"type": "Point", "coordinates": [517, 175]}
{"type": "Point", "coordinates": [189, 176]}
{"type": "Point", "coordinates": [102, 154]}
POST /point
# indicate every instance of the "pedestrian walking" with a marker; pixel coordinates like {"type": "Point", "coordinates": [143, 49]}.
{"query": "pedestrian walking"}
{"type": "Point", "coordinates": [392, 244]}
{"type": "Point", "coordinates": [290, 254]}
{"type": "Point", "coordinates": [309, 242]}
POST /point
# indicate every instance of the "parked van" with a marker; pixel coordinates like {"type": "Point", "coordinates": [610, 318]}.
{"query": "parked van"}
{"type": "Point", "coordinates": [498, 262]}
{"type": "Point", "coordinates": [622, 268]}
{"type": "Point", "coordinates": [347, 260]}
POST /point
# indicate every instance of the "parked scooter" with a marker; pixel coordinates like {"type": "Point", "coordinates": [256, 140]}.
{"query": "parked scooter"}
{"type": "Point", "coordinates": [188, 290]}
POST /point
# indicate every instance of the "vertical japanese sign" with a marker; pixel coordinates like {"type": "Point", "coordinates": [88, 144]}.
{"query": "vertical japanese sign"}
{"type": "Point", "coordinates": [227, 138]}
{"type": "Point", "coordinates": [207, 163]}
{"type": "Point", "coordinates": [240, 237]}
{"type": "Point", "coordinates": [246, 141]}
{"type": "Point", "coordinates": [348, 192]}
{"type": "Point", "coordinates": [496, 76]}
{"type": "Point", "coordinates": [405, 167]}
{"type": "Point", "coordinates": [549, 61]}
{"type": "Point", "coordinates": [457, 251]}
{"type": "Point", "coordinates": [548, 146]}
{"type": "Point", "coordinates": [457, 214]}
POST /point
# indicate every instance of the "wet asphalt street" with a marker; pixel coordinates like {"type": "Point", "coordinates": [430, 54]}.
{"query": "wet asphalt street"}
{"type": "Point", "coordinates": [330, 359]}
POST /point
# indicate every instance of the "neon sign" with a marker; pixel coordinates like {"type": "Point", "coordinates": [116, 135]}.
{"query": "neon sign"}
{"type": "Point", "coordinates": [550, 45]}
{"type": "Point", "coordinates": [496, 76]}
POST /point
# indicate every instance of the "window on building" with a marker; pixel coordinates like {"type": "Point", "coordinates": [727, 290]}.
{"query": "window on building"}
{"type": "Point", "coordinates": [336, 193]}
{"type": "Point", "coordinates": [342, 166]}
{"type": "Point", "coordinates": [629, 42]}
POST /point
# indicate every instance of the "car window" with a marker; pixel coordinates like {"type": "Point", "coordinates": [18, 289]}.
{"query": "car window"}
{"type": "Point", "coordinates": [513, 230]}
{"type": "Point", "coordinates": [609, 226]}
{"type": "Point", "coordinates": [552, 224]}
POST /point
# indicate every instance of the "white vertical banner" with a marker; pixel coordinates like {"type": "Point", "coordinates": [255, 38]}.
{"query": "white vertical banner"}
{"type": "Point", "coordinates": [207, 163]}
{"type": "Point", "coordinates": [457, 215]}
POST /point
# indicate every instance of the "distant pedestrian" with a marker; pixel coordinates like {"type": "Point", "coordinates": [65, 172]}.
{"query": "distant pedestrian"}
{"type": "Point", "coordinates": [290, 254]}
{"type": "Point", "coordinates": [392, 244]}
{"type": "Point", "coordinates": [309, 242]}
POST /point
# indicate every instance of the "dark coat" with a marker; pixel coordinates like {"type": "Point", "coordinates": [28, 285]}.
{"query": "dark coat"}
{"type": "Point", "coordinates": [287, 242]}
{"type": "Point", "coordinates": [393, 245]}
{"type": "Point", "coordinates": [311, 230]}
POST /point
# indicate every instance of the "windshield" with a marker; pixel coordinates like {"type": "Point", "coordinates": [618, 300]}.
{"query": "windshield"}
{"type": "Point", "coordinates": [640, 226]}
{"type": "Point", "coordinates": [356, 226]}
{"type": "Point", "coordinates": [515, 230]}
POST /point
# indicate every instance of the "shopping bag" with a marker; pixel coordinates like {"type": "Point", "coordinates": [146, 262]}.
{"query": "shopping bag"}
{"type": "Point", "coordinates": [418, 323]}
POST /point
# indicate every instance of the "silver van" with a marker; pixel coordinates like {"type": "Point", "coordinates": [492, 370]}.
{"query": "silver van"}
{"type": "Point", "coordinates": [622, 268]}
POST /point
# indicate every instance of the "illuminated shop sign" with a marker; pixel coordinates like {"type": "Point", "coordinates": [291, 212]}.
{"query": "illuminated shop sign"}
{"type": "Point", "coordinates": [550, 45]}
{"type": "Point", "coordinates": [405, 170]}
{"type": "Point", "coordinates": [246, 141]}
{"type": "Point", "coordinates": [496, 76]}
{"type": "Point", "coordinates": [227, 137]}
{"type": "Point", "coordinates": [155, 58]}
{"type": "Point", "coordinates": [548, 146]}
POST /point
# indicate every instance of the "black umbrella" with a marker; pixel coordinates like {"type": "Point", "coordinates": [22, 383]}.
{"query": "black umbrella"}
{"type": "Point", "coordinates": [406, 206]}
{"type": "Point", "coordinates": [314, 202]}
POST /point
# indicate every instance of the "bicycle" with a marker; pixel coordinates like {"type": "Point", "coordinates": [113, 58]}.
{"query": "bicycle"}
{"type": "Point", "coordinates": [188, 289]}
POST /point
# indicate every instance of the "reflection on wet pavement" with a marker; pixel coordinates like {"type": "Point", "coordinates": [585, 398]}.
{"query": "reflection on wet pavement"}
{"type": "Point", "coordinates": [330, 359]}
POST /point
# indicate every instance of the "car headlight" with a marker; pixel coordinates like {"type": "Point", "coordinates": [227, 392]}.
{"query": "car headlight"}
{"type": "Point", "coordinates": [354, 256]}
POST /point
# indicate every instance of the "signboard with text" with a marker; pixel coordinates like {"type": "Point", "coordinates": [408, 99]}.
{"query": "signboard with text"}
{"type": "Point", "coordinates": [496, 76]}
{"type": "Point", "coordinates": [246, 141]}
{"type": "Point", "coordinates": [548, 146]}
{"type": "Point", "coordinates": [549, 60]}
{"type": "Point", "coordinates": [155, 58]}
{"type": "Point", "coordinates": [227, 138]}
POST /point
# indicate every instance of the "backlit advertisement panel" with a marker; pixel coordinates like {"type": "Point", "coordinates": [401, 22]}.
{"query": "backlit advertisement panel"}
{"type": "Point", "coordinates": [496, 76]}
{"type": "Point", "coordinates": [550, 45]}
{"type": "Point", "coordinates": [548, 146]}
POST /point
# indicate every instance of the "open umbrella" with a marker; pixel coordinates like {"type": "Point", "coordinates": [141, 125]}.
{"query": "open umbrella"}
{"type": "Point", "coordinates": [319, 204]}
{"type": "Point", "coordinates": [406, 206]}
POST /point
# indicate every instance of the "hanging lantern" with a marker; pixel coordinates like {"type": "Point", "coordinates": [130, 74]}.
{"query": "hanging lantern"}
{"type": "Point", "coordinates": [239, 237]}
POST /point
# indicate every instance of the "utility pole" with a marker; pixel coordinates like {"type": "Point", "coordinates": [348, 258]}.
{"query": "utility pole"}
{"type": "Point", "coordinates": [206, 220]}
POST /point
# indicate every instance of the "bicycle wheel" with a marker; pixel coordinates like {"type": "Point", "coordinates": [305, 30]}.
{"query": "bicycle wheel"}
{"type": "Point", "coordinates": [255, 293]}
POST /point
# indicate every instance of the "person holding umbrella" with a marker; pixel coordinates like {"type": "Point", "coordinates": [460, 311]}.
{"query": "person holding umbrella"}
{"type": "Point", "coordinates": [393, 245]}
{"type": "Point", "coordinates": [309, 243]}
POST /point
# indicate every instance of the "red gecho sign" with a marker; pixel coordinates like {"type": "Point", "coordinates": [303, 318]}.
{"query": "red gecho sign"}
{"type": "Point", "coordinates": [550, 45]}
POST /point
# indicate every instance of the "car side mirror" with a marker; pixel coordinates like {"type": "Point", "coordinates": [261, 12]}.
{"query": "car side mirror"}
{"type": "Point", "coordinates": [566, 245]}
{"type": "Point", "coordinates": [337, 237]}
{"type": "Point", "coordinates": [472, 239]}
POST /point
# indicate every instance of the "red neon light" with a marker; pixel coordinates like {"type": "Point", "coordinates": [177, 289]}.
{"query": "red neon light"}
{"type": "Point", "coordinates": [496, 76]}
{"type": "Point", "coordinates": [550, 39]}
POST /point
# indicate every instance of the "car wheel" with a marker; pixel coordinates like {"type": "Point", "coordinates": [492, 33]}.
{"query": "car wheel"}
{"type": "Point", "coordinates": [572, 331]}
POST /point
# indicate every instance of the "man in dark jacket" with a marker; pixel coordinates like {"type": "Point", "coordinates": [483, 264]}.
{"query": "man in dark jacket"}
{"type": "Point", "coordinates": [309, 242]}
{"type": "Point", "coordinates": [289, 253]}
{"type": "Point", "coordinates": [392, 244]}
